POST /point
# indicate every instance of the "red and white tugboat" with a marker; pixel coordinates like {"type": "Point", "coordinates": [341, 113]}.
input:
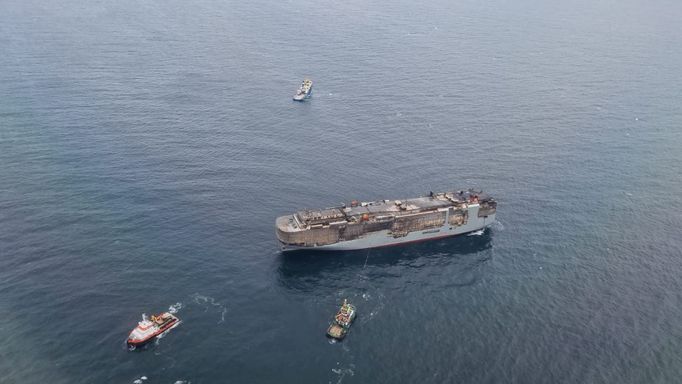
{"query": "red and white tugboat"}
{"type": "Point", "coordinates": [148, 329]}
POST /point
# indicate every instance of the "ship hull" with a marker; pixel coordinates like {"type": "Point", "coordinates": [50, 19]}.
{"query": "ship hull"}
{"type": "Point", "coordinates": [304, 96]}
{"type": "Point", "coordinates": [386, 239]}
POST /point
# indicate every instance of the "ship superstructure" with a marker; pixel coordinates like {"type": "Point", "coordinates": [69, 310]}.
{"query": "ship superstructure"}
{"type": "Point", "coordinates": [386, 222]}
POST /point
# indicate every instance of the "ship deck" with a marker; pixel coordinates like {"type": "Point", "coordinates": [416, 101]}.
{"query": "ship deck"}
{"type": "Point", "coordinates": [390, 206]}
{"type": "Point", "coordinates": [376, 209]}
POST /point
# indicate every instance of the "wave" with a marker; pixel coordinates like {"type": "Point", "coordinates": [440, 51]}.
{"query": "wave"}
{"type": "Point", "coordinates": [210, 302]}
{"type": "Point", "coordinates": [175, 308]}
{"type": "Point", "coordinates": [343, 372]}
{"type": "Point", "coordinates": [477, 233]}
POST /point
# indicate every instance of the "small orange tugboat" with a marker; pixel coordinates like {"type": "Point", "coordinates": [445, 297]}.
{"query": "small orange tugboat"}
{"type": "Point", "coordinates": [342, 321]}
{"type": "Point", "coordinates": [148, 329]}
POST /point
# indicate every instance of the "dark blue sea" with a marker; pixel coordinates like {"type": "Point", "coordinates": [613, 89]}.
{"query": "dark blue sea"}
{"type": "Point", "coordinates": [146, 148]}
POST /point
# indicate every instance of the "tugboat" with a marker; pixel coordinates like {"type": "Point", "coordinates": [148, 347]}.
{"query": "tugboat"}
{"type": "Point", "coordinates": [342, 321]}
{"type": "Point", "coordinates": [304, 91]}
{"type": "Point", "coordinates": [148, 329]}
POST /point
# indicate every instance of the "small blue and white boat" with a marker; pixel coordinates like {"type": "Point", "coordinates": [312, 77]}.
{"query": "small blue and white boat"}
{"type": "Point", "coordinates": [304, 91]}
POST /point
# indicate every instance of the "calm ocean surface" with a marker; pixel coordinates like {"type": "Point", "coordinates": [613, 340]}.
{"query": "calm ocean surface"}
{"type": "Point", "coordinates": [146, 148]}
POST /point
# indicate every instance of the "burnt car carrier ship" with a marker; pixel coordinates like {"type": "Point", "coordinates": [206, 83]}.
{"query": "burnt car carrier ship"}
{"type": "Point", "coordinates": [387, 222]}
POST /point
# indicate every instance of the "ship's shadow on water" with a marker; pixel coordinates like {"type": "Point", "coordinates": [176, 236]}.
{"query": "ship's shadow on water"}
{"type": "Point", "coordinates": [462, 256]}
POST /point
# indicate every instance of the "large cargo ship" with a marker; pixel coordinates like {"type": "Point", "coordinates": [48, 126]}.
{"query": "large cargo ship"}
{"type": "Point", "coordinates": [387, 222]}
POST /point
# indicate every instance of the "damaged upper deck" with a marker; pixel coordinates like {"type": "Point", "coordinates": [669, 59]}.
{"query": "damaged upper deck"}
{"type": "Point", "coordinates": [329, 225]}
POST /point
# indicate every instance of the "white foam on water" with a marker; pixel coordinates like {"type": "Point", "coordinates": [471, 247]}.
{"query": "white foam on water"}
{"type": "Point", "coordinates": [366, 296]}
{"type": "Point", "coordinates": [222, 315]}
{"type": "Point", "coordinates": [164, 333]}
{"type": "Point", "coordinates": [157, 339]}
{"type": "Point", "coordinates": [137, 381]}
{"type": "Point", "coordinates": [343, 372]}
{"type": "Point", "coordinates": [476, 233]}
{"type": "Point", "coordinates": [143, 378]}
{"type": "Point", "coordinates": [209, 302]}
{"type": "Point", "coordinates": [201, 299]}
{"type": "Point", "coordinates": [380, 299]}
{"type": "Point", "coordinates": [175, 308]}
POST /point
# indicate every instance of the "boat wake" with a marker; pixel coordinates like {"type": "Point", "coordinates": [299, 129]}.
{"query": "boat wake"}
{"type": "Point", "coordinates": [379, 298]}
{"type": "Point", "coordinates": [163, 334]}
{"type": "Point", "coordinates": [140, 380]}
{"type": "Point", "coordinates": [175, 308]}
{"type": "Point", "coordinates": [158, 338]}
{"type": "Point", "coordinates": [210, 303]}
{"type": "Point", "coordinates": [343, 372]}
{"type": "Point", "coordinates": [477, 233]}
